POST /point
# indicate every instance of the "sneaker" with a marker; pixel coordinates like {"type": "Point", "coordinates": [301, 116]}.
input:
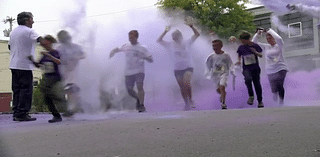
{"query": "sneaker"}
{"type": "Point", "coordinates": [25, 117]}
{"type": "Point", "coordinates": [71, 88]}
{"type": "Point", "coordinates": [55, 119]}
{"type": "Point", "coordinates": [68, 114]}
{"type": "Point", "coordinates": [192, 104]}
{"type": "Point", "coordinates": [224, 106]}
{"type": "Point", "coordinates": [250, 100]}
{"type": "Point", "coordinates": [187, 107]}
{"type": "Point", "coordinates": [281, 102]}
{"type": "Point", "coordinates": [141, 108]}
{"type": "Point", "coordinates": [260, 105]}
{"type": "Point", "coordinates": [137, 105]}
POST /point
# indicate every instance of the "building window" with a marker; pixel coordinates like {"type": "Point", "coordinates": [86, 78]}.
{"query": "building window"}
{"type": "Point", "coordinates": [295, 29]}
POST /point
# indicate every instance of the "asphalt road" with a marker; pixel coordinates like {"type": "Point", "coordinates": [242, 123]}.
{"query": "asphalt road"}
{"type": "Point", "coordinates": [268, 132]}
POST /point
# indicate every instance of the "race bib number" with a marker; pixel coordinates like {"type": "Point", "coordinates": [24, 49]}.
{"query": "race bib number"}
{"type": "Point", "coordinates": [249, 59]}
{"type": "Point", "coordinates": [272, 59]}
{"type": "Point", "coordinates": [48, 67]}
{"type": "Point", "coordinates": [218, 69]}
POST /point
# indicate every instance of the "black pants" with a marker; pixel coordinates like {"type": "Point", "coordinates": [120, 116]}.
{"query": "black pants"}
{"type": "Point", "coordinates": [276, 82]}
{"type": "Point", "coordinates": [22, 88]}
{"type": "Point", "coordinates": [253, 76]}
{"type": "Point", "coordinates": [51, 96]}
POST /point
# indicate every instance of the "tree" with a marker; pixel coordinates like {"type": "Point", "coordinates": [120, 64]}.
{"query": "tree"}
{"type": "Point", "coordinates": [8, 31]}
{"type": "Point", "coordinates": [222, 17]}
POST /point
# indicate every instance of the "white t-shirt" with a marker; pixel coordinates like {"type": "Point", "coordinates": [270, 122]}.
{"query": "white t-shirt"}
{"type": "Point", "coordinates": [218, 65]}
{"type": "Point", "coordinates": [274, 54]}
{"type": "Point", "coordinates": [22, 44]}
{"type": "Point", "coordinates": [181, 55]}
{"type": "Point", "coordinates": [70, 54]}
{"type": "Point", "coordinates": [134, 58]}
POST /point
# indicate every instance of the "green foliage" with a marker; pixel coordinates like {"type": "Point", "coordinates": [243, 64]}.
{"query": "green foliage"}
{"type": "Point", "coordinates": [223, 17]}
{"type": "Point", "coordinates": [38, 104]}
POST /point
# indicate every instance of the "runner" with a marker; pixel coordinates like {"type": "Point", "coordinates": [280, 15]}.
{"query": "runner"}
{"type": "Point", "coordinates": [183, 65]}
{"type": "Point", "coordinates": [70, 54]}
{"type": "Point", "coordinates": [276, 67]}
{"type": "Point", "coordinates": [219, 64]}
{"type": "Point", "coordinates": [249, 52]}
{"type": "Point", "coordinates": [135, 54]}
{"type": "Point", "coordinates": [49, 64]}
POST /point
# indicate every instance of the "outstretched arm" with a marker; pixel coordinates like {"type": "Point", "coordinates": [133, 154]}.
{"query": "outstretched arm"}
{"type": "Point", "coordinates": [159, 40]}
{"type": "Point", "coordinates": [195, 31]}
{"type": "Point", "coordinates": [114, 51]}
{"type": "Point", "coordinates": [256, 36]}
{"type": "Point", "coordinates": [149, 59]}
{"type": "Point", "coordinates": [276, 37]}
{"type": "Point", "coordinates": [33, 62]}
{"type": "Point", "coordinates": [54, 59]}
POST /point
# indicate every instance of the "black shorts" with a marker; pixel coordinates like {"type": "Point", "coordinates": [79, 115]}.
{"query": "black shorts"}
{"type": "Point", "coordinates": [136, 78]}
{"type": "Point", "coordinates": [179, 73]}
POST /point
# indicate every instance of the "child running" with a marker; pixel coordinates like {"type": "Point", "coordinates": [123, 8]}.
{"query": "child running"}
{"type": "Point", "coordinates": [49, 64]}
{"type": "Point", "coordinates": [219, 64]}
{"type": "Point", "coordinates": [248, 53]}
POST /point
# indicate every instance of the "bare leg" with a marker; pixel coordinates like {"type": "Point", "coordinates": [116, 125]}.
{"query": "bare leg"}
{"type": "Point", "coordinates": [140, 92]}
{"type": "Point", "coordinates": [223, 93]}
{"type": "Point", "coordinates": [183, 90]}
{"type": "Point", "coordinates": [187, 84]}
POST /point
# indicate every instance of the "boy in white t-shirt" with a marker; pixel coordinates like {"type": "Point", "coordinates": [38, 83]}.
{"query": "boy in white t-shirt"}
{"type": "Point", "coordinates": [135, 54]}
{"type": "Point", "coordinates": [218, 66]}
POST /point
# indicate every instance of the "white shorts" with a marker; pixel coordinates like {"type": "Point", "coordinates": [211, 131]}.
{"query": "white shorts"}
{"type": "Point", "coordinates": [221, 80]}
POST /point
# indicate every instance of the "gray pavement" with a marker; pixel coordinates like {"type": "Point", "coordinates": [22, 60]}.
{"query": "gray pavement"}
{"type": "Point", "coordinates": [268, 132]}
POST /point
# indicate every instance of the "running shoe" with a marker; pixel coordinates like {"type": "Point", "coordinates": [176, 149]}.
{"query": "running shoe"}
{"type": "Point", "coordinates": [224, 106]}
{"type": "Point", "coordinates": [24, 117]}
{"type": "Point", "coordinates": [68, 114]}
{"type": "Point", "coordinates": [192, 104]}
{"type": "Point", "coordinates": [260, 105]}
{"type": "Point", "coordinates": [275, 96]}
{"type": "Point", "coordinates": [141, 108]}
{"type": "Point", "coordinates": [250, 100]}
{"type": "Point", "coordinates": [55, 119]}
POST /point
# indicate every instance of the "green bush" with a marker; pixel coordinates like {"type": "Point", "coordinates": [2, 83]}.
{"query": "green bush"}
{"type": "Point", "coordinates": [38, 104]}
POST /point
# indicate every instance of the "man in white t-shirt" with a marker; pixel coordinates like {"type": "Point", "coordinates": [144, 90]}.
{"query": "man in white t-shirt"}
{"type": "Point", "coordinates": [21, 45]}
{"type": "Point", "coordinates": [70, 55]}
{"type": "Point", "coordinates": [183, 65]}
{"type": "Point", "coordinates": [135, 54]}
